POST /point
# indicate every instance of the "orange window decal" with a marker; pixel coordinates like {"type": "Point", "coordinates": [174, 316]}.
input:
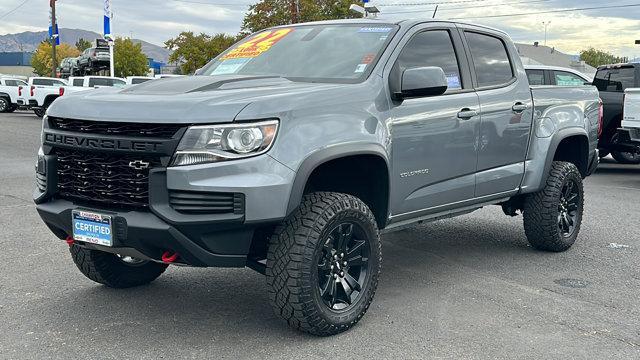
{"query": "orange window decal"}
{"type": "Point", "coordinates": [257, 45]}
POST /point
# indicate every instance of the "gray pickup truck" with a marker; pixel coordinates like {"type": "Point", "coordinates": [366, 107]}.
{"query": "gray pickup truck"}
{"type": "Point", "coordinates": [291, 152]}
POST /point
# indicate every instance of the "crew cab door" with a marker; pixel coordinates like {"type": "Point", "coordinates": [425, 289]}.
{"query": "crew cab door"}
{"type": "Point", "coordinates": [506, 111]}
{"type": "Point", "coordinates": [433, 138]}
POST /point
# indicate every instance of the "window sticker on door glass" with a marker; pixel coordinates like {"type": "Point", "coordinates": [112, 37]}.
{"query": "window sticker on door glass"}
{"type": "Point", "coordinates": [453, 81]}
{"type": "Point", "coordinates": [375, 29]}
{"type": "Point", "coordinates": [368, 59]}
{"type": "Point", "coordinates": [361, 68]}
{"type": "Point", "coordinates": [230, 66]}
{"type": "Point", "coordinates": [257, 45]}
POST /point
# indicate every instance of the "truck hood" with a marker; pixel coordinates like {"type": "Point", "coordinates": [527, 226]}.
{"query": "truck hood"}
{"type": "Point", "coordinates": [192, 99]}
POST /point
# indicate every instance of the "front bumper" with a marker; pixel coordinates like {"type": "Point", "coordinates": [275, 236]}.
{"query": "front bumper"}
{"type": "Point", "coordinates": [207, 240]}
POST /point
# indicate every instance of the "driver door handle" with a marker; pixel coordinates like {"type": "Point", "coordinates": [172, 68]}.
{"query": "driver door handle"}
{"type": "Point", "coordinates": [519, 107]}
{"type": "Point", "coordinates": [466, 114]}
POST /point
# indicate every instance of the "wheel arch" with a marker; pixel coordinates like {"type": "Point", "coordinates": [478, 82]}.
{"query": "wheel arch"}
{"type": "Point", "coordinates": [351, 158]}
{"type": "Point", "coordinates": [571, 145]}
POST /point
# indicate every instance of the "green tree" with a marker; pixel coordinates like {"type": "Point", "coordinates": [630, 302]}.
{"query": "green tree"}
{"type": "Point", "coordinates": [82, 44]}
{"type": "Point", "coordinates": [192, 51]}
{"type": "Point", "coordinates": [268, 13]}
{"type": "Point", "coordinates": [41, 60]}
{"type": "Point", "coordinates": [596, 57]}
{"type": "Point", "coordinates": [128, 58]}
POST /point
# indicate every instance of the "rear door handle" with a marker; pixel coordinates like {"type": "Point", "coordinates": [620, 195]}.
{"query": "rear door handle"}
{"type": "Point", "coordinates": [519, 107]}
{"type": "Point", "coordinates": [466, 114]}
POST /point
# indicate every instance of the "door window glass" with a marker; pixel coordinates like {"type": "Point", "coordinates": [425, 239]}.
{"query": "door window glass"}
{"type": "Point", "coordinates": [615, 80]}
{"type": "Point", "coordinates": [564, 78]}
{"type": "Point", "coordinates": [536, 77]}
{"type": "Point", "coordinates": [490, 59]}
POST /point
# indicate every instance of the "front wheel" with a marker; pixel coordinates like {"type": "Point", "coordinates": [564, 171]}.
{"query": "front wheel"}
{"type": "Point", "coordinates": [624, 157]}
{"type": "Point", "coordinates": [553, 215]}
{"type": "Point", "coordinates": [323, 264]}
{"type": "Point", "coordinates": [114, 270]}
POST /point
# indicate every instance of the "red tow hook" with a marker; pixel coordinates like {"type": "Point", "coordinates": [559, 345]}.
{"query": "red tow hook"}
{"type": "Point", "coordinates": [168, 257]}
{"type": "Point", "coordinates": [70, 241]}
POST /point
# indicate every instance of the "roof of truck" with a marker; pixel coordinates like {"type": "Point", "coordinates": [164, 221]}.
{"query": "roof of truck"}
{"type": "Point", "coordinates": [403, 22]}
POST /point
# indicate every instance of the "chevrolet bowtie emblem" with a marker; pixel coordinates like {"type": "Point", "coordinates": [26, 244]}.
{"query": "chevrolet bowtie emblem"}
{"type": "Point", "coordinates": [139, 164]}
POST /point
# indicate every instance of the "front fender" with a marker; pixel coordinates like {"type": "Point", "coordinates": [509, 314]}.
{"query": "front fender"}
{"type": "Point", "coordinates": [319, 157]}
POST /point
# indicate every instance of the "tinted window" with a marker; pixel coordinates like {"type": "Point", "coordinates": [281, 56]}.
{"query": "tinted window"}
{"type": "Point", "coordinates": [564, 78]}
{"type": "Point", "coordinates": [536, 77]}
{"type": "Point", "coordinates": [48, 82]}
{"type": "Point", "coordinates": [12, 83]}
{"type": "Point", "coordinates": [490, 59]}
{"type": "Point", "coordinates": [78, 82]}
{"type": "Point", "coordinates": [139, 81]}
{"type": "Point", "coordinates": [431, 48]}
{"type": "Point", "coordinates": [105, 82]}
{"type": "Point", "coordinates": [615, 80]}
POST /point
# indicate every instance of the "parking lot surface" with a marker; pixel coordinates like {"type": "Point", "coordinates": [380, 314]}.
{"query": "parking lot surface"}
{"type": "Point", "coordinates": [463, 288]}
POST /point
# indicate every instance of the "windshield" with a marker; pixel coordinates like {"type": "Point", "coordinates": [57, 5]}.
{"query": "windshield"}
{"type": "Point", "coordinates": [324, 53]}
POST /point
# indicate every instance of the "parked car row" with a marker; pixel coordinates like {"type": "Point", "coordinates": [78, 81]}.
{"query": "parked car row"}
{"type": "Point", "coordinates": [9, 93]}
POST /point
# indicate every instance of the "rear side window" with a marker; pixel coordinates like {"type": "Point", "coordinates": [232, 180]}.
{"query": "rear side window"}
{"type": "Point", "coordinates": [12, 83]}
{"type": "Point", "coordinates": [105, 82]}
{"type": "Point", "coordinates": [564, 78]}
{"type": "Point", "coordinates": [78, 82]}
{"type": "Point", "coordinates": [615, 80]}
{"type": "Point", "coordinates": [138, 81]}
{"type": "Point", "coordinates": [536, 77]}
{"type": "Point", "coordinates": [490, 59]}
{"type": "Point", "coordinates": [431, 48]}
{"type": "Point", "coordinates": [44, 82]}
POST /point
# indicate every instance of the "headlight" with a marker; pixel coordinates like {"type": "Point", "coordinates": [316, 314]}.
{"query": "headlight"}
{"type": "Point", "coordinates": [213, 143]}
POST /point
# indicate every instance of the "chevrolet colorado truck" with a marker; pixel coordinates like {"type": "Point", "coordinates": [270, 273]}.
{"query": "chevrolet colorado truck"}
{"type": "Point", "coordinates": [9, 93]}
{"type": "Point", "coordinates": [296, 148]}
{"type": "Point", "coordinates": [613, 81]}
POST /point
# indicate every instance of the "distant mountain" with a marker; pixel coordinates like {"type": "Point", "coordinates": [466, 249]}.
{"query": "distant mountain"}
{"type": "Point", "coordinates": [29, 40]}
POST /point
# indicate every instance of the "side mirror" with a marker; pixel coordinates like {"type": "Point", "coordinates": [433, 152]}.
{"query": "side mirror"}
{"type": "Point", "coordinates": [198, 72]}
{"type": "Point", "coordinates": [423, 82]}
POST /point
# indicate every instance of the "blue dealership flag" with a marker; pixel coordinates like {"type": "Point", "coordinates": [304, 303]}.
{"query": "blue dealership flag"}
{"type": "Point", "coordinates": [57, 35]}
{"type": "Point", "coordinates": [107, 18]}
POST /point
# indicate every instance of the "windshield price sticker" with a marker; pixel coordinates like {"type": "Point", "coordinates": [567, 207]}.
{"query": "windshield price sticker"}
{"type": "Point", "coordinates": [257, 45]}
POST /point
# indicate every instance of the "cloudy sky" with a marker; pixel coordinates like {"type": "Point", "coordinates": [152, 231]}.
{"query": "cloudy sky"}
{"type": "Point", "coordinates": [158, 20]}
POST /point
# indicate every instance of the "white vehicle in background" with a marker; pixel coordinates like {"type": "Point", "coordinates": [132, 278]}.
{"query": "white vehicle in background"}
{"type": "Point", "coordinates": [631, 114]}
{"type": "Point", "coordinates": [97, 81]}
{"type": "Point", "coordinates": [135, 80]}
{"type": "Point", "coordinates": [9, 93]}
{"type": "Point", "coordinates": [40, 93]}
{"type": "Point", "coordinates": [164, 76]}
{"type": "Point", "coordinates": [555, 75]}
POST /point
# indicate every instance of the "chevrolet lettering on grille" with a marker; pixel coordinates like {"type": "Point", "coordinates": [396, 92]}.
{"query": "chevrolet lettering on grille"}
{"type": "Point", "coordinates": [102, 144]}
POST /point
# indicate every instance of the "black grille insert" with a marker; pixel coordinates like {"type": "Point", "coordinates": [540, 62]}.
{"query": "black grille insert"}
{"type": "Point", "coordinates": [116, 128]}
{"type": "Point", "coordinates": [202, 202]}
{"type": "Point", "coordinates": [113, 179]}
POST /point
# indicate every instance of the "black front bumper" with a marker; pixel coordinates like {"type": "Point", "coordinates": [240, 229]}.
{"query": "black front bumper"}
{"type": "Point", "coordinates": [145, 234]}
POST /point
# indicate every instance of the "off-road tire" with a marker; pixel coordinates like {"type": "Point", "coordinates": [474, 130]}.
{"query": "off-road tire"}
{"type": "Point", "coordinates": [39, 112]}
{"type": "Point", "coordinates": [623, 157]}
{"type": "Point", "coordinates": [541, 210]}
{"type": "Point", "coordinates": [108, 269]}
{"type": "Point", "coordinates": [5, 104]}
{"type": "Point", "coordinates": [292, 263]}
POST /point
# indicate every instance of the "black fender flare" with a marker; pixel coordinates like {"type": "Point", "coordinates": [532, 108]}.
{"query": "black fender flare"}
{"type": "Point", "coordinates": [319, 157]}
{"type": "Point", "coordinates": [556, 139]}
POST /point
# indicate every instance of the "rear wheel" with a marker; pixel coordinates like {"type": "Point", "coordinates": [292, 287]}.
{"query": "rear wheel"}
{"type": "Point", "coordinates": [323, 264]}
{"type": "Point", "coordinates": [624, 157]}
{"type": "Point", "coordinates": [553, 215]}
{"type": "Point", "coordinates": [114, 270]}
{"type": "Point", "coordinates": [39, 112]}
{"type": "Point", "coordinates": [5, 105]}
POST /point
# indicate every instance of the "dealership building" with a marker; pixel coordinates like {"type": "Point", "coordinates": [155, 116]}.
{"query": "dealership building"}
{"type": "Point", "coordinates": [16, 63]}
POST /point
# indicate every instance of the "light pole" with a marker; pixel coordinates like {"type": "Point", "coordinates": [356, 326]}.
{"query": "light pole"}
{"type": "Point", "coordinates": [546, 24]}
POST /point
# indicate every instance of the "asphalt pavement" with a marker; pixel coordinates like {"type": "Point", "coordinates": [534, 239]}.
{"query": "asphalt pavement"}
{"type": "Point", "coordinates": [463, 288]}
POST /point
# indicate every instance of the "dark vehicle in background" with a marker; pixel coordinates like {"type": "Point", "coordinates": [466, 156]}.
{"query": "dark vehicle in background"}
{"type": "Point", "coordinates": [68, 67]}
{"type": "Point", "coordinates": [93, 59]}
{"type": "Point", "coordinates": [557, 76]}
{"type": "Point", "coordinates": [612, 81]}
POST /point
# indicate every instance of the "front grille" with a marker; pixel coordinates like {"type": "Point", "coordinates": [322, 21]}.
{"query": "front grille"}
{"type": "Point", "coordinates": [116, 128]}
{"type": "Point", "coordinates": [202, 202]}
{"type": "Point", "coordinates": [41, 182]}
{"type": "Point", "coordinates": [104, 178]}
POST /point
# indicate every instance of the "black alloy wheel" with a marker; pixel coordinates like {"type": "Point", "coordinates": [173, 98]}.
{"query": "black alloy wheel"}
{"type": "Point", "coordinates": [568, 208]}
{"type": "Point", "coordinates": [343, 266]}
